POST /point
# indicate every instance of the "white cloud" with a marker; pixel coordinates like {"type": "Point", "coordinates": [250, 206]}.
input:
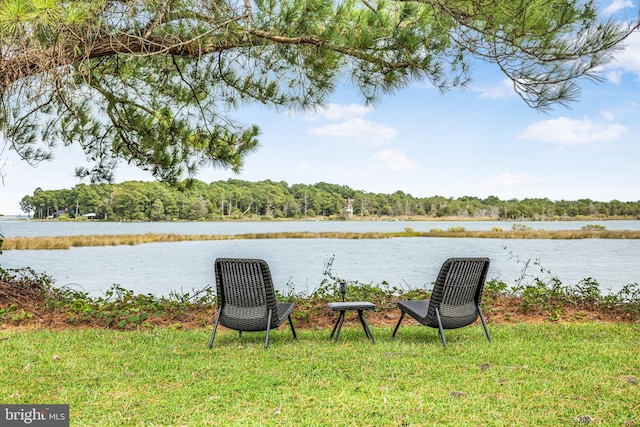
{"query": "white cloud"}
{"type": "Point", "coordinates": [394, 160]}
{"type": "Point", "coordinates": [347, 121]}
{"type": "Point", "coordinates": [572, 132]}
{"type": "Point", "coordinates": [502, 90]}
{"type": "Point", "coordinates": [337, 112]}
{"type": "Point", "coordinates": [508, 180]}
{"type": "Point", "coordinates": [362, 131]}
{"type": "Point", "coordinates": [627, 60]}
{"type": "Point", "coordinates": [616, 6]}
{"type": "Point", "coordinates": [607, 115]}
{"type": "Point", "coordinates": [614, 77]}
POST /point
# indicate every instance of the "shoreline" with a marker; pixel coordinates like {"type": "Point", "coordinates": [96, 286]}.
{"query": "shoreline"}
{"type": "Point", "coordinates": [314, 315]}
{"type": "Point", "coordinates": [408, 218]}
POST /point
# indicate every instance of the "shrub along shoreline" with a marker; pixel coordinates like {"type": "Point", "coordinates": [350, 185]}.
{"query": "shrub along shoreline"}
{"type": "Point", "coordinates": [30, 300]}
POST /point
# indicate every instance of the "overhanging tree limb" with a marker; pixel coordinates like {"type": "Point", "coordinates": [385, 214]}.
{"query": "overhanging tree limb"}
{"type": "Point", "coordinates": [150, 82]}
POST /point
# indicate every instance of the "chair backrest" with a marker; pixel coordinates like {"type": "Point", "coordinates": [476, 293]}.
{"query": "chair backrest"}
{"type": "Point", "coordinates": [245, 293]}
{"type": "Point", "coordinates": [458, 291]}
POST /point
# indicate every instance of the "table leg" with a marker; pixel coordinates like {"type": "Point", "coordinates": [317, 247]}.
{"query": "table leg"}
{"type": "Point", "coordinates": [365, 326]}
{"type": "Point", "coordinates": [337, 326]}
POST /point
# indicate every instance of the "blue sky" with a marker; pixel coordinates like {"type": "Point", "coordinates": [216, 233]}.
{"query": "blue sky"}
{"type": "Point", "coordinates": [478, 142]}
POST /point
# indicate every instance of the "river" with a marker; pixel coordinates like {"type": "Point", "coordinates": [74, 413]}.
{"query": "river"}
{"type": "Point", "coordinates": [298, 264]}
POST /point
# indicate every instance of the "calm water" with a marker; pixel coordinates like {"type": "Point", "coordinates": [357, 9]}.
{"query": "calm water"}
{"type": "Point", "coordinates": [161, 268]}
{"type": "Point", "coordinates": [31, 228]}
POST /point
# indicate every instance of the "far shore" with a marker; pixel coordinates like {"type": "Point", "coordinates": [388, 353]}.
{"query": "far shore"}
{"type": "Point", "coordinates": [416, 218]}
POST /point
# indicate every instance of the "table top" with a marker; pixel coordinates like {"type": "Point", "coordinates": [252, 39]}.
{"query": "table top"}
{"type": "Point", "coordinates": [351, 305]}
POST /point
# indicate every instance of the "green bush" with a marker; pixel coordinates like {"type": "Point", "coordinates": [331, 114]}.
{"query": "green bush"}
{"type": "Point", "coordinates": [457, 229]}
{"type": "Point", "coordinates": [594, 227]}
{"type": "Point", "coordinates": [495, 287]}
{"type": "Point", "coordinates": [120, 308]}
{"type": "Point", "coordinates": [521, 227]}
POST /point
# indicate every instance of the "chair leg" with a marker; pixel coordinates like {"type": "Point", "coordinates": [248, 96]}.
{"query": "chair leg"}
{"type": "Point", "coordinates": [484, 324]}
{"type": "Point", "coordinates": [215, 327]}
{"type": "Point", "coordinates": [266, 341]}
{"type": "Point", "coordinates": [444, 341]}
{"type": "Point", "coordinates": [293, 330]}
{"type": "Point", "coordinates": [397, 325]}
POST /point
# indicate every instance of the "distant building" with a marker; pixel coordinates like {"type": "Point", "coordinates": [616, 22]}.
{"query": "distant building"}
{"type": "Point", "coordinates": [57, 214]}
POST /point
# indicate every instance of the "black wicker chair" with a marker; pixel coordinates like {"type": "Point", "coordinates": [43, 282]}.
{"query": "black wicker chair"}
{"type": "Point", "coordinates": [246, 298]}
{"type": "Point", "coordinates": [455, 300]}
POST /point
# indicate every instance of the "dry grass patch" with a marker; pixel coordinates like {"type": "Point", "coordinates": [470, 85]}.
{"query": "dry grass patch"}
{"type": "Point", "coordinates": [66, 242]}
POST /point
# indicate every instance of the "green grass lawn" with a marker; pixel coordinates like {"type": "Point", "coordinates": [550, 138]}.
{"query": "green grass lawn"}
{"type": "Point", "coordinates": [530, 375]}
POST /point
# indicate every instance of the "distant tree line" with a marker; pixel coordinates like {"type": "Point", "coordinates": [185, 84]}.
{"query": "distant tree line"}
{"type": "Point", "coordinates": [236, 199]}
